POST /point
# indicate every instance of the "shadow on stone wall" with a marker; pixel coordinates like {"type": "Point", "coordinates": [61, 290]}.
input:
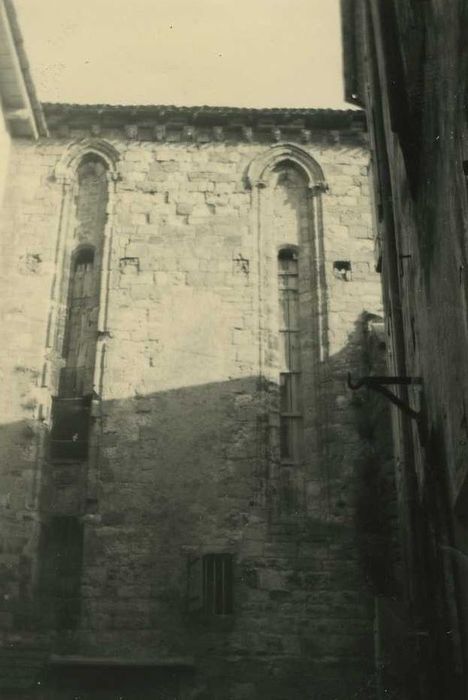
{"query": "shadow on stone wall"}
{"type": "Point", "coordinates": [176, 474]}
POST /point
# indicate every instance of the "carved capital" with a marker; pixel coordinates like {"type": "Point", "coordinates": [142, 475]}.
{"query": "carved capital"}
{"type": "Point", "coordinates": [65, 169]}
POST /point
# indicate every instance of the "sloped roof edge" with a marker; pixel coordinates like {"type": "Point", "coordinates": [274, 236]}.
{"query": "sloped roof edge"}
{"type": "Point", "coordinates": [35, 105]}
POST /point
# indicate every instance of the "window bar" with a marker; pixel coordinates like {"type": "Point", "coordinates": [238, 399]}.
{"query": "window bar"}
{"type": "Point", "coordinates": [290, 374]}
{"type": "Point", "coordinates": [205, 584]}
{"type": "Point", "coordinates": [213, 587]}
{"type": "Point", "coordinates": [223, 597]}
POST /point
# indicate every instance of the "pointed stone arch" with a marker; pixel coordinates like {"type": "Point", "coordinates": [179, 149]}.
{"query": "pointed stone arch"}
{"type": "Point", "coordinates": [261, 168]}
{"type": "Point", "coordinates": [66, 177]}
{"type": "Point", "coordinates": [67, 166]}
{"type": "Point", "coordinates": [264, 177]}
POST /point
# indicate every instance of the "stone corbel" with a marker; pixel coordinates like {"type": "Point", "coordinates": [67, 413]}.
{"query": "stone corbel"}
{"type": "Point", "coordinates": [131, 131]}
{"type": "Point", "coordinates": [247, 133]}
{"type": "Point", "coordinates": [159, 132]}
{"type": "Point", "coordinates": [189, 133]}
{"type": "Point", "coordinates": [218, 133]}
{"type": "Point", "coordinates": [276, 134]}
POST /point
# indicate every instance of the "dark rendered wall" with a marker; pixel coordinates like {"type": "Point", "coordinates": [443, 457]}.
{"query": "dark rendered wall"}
{"type": "Point", "coordinates": [410, 71]}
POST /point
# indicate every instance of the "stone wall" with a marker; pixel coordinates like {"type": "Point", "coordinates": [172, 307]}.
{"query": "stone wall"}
{"type": "Point", "coordinates": [184, 457]}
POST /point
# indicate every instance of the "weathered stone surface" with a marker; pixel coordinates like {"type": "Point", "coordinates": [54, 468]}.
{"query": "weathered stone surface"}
{"type": "Point", "coordinates": [184, 448]}
{"type": "Point", "coordinates": [404, 64]}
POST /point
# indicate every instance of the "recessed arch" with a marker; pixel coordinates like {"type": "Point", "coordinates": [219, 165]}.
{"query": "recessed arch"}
{"type": "Point", "coordinates": [260, 170]}
{"type": "Point", "coordinates": [287, 251]}
{"type": "Point", "coordinates": [83, 253]}
{"type": "Point", "coordinates": [87, 173]}
{"type": "Point", "coordinates": [77, 152]}
{"type": "Point", "coordinates": [287, 185]}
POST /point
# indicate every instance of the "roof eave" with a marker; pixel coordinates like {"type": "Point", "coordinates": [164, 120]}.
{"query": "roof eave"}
{"type": "Point", "coordinates": [22, 110]}
{"type": "Point", "coordinates": [202, 115]}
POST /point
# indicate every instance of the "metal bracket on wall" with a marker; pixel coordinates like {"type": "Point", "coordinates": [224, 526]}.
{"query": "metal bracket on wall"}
{"type": "Point", "coordinates": [378, 384]}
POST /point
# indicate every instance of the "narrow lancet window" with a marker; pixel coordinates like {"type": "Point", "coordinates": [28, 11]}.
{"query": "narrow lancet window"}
{"type": "Point", "coordinates": [286, 190]}
{"type": "Point", "coordinates": [81, 323]}
{"type": "Point", "coordinates": [290, 357]}
{"type": "Point", "coordinates": [71, 408]}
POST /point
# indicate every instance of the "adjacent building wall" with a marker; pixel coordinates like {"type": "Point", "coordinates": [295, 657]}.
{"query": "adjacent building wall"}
{"type": "Point", "coordinates": [406, 62]}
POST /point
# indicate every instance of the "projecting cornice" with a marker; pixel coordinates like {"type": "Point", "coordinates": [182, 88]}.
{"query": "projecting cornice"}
{"type": "Point", "coordinates": [202, 124]}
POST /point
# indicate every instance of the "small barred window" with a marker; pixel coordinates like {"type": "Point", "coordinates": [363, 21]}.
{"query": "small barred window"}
{"type": "Point", "coordinates": [210, 584]}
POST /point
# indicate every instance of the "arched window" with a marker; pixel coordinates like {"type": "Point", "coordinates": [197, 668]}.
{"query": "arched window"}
{"type": "Point", "coordinates": [80, 325]}
{"type": "Point", "coordinates": [290, 230]}
{"type": "Point", "coordinates": [287, 185]}
{"type": "Point", "coordinates": [87, 173]}
{"type": "Point", "coordinates": [82, 312]}
{"type": "Point", "coordinates": [82, 283]}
